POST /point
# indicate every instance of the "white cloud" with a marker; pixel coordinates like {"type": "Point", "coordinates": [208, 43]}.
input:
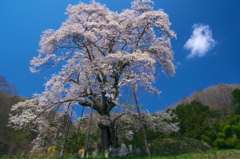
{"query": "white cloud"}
{"type": "Point", "coordinates": [200, 42]}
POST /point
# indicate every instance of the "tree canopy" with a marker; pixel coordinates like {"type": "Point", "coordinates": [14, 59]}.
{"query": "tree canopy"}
{"type": "Point", "coordinates": [100, 52]}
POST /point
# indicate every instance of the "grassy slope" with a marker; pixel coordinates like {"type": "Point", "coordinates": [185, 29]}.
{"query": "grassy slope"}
{"type": "Point", "coordinates": [177, 146]}
{"type": "Point", "coordinates": [213, 154]}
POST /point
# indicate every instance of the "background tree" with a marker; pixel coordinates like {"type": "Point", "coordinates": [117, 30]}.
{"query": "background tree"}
{"type": "Point", "coordinates": [7, 88]}
{"type": "Point", "coordinates": [226, 135]}
{"type": "Point", "coordinates": [11, 141]}
{"type": "Point", "coordinates": [236, 100]}
{"type": "Point", "coordinates": [101, 52]}
{"type": "Point", "coordinates": [8, 97]}
{"type": "Point", "coordinates": [192, 119]}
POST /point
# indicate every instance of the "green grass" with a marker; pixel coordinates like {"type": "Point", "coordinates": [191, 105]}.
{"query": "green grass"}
{"type": "Point", "coordinates": [177, 146]}
{"type": "Point", "coordinates": [212, 154]}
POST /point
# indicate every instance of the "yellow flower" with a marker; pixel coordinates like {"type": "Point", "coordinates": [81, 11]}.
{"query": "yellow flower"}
{"type": "Point", "coordinates": [82, 150]}
{"type": "Point", "coordinates": [52, 149]}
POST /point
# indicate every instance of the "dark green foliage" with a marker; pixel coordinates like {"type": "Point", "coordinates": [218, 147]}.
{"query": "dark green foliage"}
{"type": "Point", "coordinates": [236, 130]}
{"type": "Point", "coordinates": [227, 130]}
{"type": "Point", "coordinates": [236, 95]}
{"type": "Point", "coordinates": [236, 100]}
{"type": "Point", "coordinates": [199, 122]}
{"type": "Point", "coordinates": [71, 141]}
{"type": "Point", "coordinates": [225, 135]}
{"type": "Point", "coordinates": [192, 117]}
{"type": "Point", "coordinates": [207, 139]}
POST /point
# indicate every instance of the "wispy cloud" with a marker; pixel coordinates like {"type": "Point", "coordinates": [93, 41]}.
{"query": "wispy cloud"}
{"type": "Point", "coordinates": [200, 42]}
{"type": "Point", "coordinates": [178, 63]}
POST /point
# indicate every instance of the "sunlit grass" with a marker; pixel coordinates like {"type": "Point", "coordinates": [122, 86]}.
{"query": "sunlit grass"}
{"type": "Point", "coordinates": [213, 154]}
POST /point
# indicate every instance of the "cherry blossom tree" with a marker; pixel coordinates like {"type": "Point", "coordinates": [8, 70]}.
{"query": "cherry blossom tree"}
{"type": "Point", "coordinates": [127, 124]}
{"type": "Point", "coordinates": [101, 52]}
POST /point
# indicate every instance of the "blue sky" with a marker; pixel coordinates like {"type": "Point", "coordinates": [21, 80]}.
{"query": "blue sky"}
{"type": "Point", "coordinates": [207, 48]}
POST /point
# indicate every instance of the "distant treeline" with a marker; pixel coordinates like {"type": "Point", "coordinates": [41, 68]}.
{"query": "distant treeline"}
{"type": "Point", "coordinates": [11, 141]}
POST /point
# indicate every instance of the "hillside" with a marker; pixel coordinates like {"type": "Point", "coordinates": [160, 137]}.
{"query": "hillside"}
{"type": "Point", "coordinates": [216, 97]}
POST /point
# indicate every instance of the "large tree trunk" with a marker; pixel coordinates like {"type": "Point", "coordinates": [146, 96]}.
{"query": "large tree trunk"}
{"type": "Point", "coordinates": [107, 132]}
{"type": "Point", "coordinates": [114, 138]}
{"type": "Point", "coordinates": [107, 137]}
